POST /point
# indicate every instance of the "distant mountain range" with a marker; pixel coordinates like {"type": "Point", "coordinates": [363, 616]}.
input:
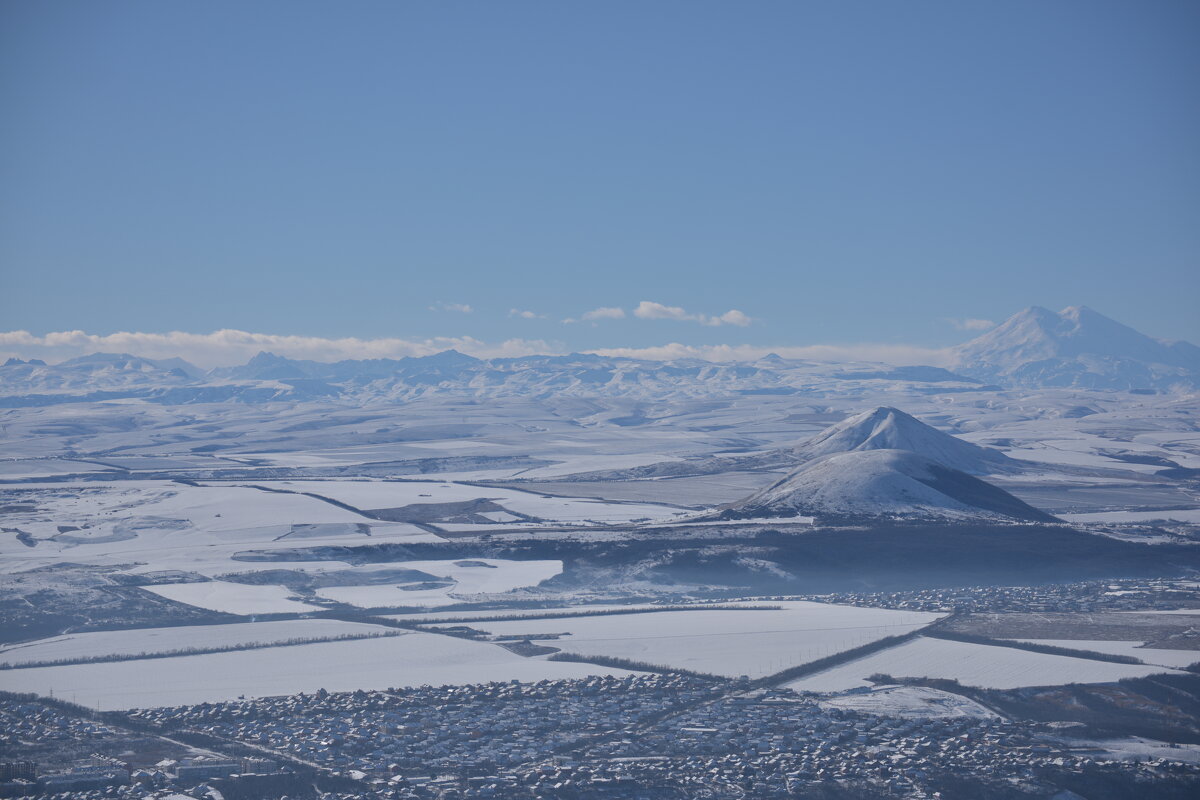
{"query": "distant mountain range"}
{"type": "Point", "coordinates": [1035, 348]}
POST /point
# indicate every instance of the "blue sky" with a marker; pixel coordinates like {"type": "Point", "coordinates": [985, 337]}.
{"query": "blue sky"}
{"type": "Point", "coordinates": [835, 172]}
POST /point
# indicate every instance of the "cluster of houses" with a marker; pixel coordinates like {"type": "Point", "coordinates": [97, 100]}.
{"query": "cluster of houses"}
{"type": "Point", "coordinates": [1157, 594]}
{"type": "Point", "coordinates": [655, 736]}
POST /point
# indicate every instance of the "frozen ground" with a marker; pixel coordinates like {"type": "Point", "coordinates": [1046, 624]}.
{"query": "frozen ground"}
{"type": "Point", "coordinates": [411, 659]}
{"type": "Point", "coordinates": [159, 640]}
{"type": "Point", "coordinates": [979, 665]}
{"type": "Point", "coordinates": [730, 643]}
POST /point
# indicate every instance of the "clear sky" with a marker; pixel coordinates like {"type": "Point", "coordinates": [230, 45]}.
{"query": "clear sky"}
{"type": "Point", "coordinates": [832, 171]}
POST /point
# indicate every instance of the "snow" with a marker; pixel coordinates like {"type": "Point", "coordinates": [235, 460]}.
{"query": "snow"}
{"type": "Point", "coordinates": [158, 640]}
{"type": "Point", "coordinates": [910, 702]}
{"type": "Point", "coordinates": [1150, 655]}
{"type": "Point", "coordinates": [156, 525]}
{"type": "Point", "coordinates": [886, 428]}
{"type": "Point", "coordinates": [497, 577]}
{"type": "Point", "coordinates": [1190, 515]}
{"type": "Point", "coordinates": [233, 598]}
{"type": "Point", "coordinates": [883, 483]}
{"type": "Point", "coordinates": [370, 495]}
{"type": "Point", "coordinates": [1136, 748]}
{"type": "Point", "coordinates": [985, 666]}
{"type": "Point", "coordinates": [731, 643]}
{"type": "Point", "coordinates": [410, 659]}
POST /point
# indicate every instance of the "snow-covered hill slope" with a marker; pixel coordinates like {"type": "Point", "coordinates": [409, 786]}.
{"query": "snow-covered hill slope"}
{"type": "Point", "coordinates": [1076, 347]}
{"type": "Point", "coordinates": [884, 483]}
{"type": "Point", "coordinates": [887, 428]}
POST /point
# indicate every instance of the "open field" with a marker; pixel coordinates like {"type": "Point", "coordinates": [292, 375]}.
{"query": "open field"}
{"type": "Point", "coordinates": [730, 643]}
{"type": "Point", "coordinates": [469, 577]}
{"type": "Point", "coordinates": [970, 664]}
{"type": "Point", "coordinates": [158, 640]}
{"type": "Point", "coordinates": [376, 495]}
{"type": "Point", "coordinates": [1148, 655]}
{"type": "Point", "coordinates": [411, 659]}
{"type": "Point", "coordinates": [233, 598]}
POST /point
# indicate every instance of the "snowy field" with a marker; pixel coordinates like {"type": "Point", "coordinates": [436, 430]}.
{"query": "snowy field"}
{"type": "Point", "coordinates": [730, 643]}
{"type": "Point", "coordinates": [435, 616]}
{"type": "Point", "coordinates": [1191, 515]}
{"type": "Point", "coordinates": [910, 702]}
{"type": "Point", "coordinates": [1149, 655]}
{"type": "Point", "coordinates": [152, 525]}
{"type": "Point", "coordinates": [412, 659]}
{"type": "Point", "coordinates": [160, 640]}
{"type": "Point", "coordinates": [470, 577]}
{"type": "Point", "coordinates": [371, 495]}
{"type": "Point", "coordinates": [972, 665]}
{"type": "Point", "coordinates": [233, 598]}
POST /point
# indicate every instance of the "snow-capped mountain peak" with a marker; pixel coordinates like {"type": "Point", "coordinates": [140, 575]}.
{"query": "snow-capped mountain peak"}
{"type": "Point", "coordinates": [885, 483]}
{"type": "Point", "coordinates": [887, 428]}
{"type": "Point", "coordinates": [1077, 346]}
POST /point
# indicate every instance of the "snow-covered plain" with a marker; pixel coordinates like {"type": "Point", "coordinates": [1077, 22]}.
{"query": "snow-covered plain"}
{"type": "Point", "coordinates": [161, 640]}
{"type": "Point", "coordinates": [1191, 515]}
{"type": "Point", "coordinates": [369, 495]}
{"type": "Point", "coordinates": [731, 643]}
{"type": "Point", "coordinates": [472, 577]}
{"type": "Point", "coordinates": [233, 598]}
{"type": "Point", "coordinates": [158, 525]}
{"type": "Point", "coordinates": [1149, 655]}
{"type": "Point", "coordinates": [412, 659]}
{"type": "Point", "coordinates": [971, 665]}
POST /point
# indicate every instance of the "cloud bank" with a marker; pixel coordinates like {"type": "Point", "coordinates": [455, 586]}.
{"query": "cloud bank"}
{"type": "Point", "coordinates": [647, 309]}
{"type": "Point", "coordinates": [896, 354]}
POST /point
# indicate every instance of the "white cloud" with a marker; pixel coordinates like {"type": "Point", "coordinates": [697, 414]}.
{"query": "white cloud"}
{"type": "Point", "coordinates": [896, 354]}
{"type": "Point", "coordinates": [597, 314]}
{"type": "Point", "coordinates": [648, 309]}
{"type": "Point", "coordinates": [972, 324]}
{"type": "Point", "coordinates": [226, 347]}
{"type": "Point", "coordinates": [731, 317]}
{"type": "Point", "coordinates": [604, 313]}
{"type": "Point", "coordinates": [516, 312]}
{"type": "Point", "coordinates": [462, 308]}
